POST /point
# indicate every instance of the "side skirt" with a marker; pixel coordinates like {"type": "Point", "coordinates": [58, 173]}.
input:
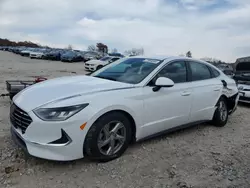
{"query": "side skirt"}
{"type": "Point", "coordinates": [172, 130]}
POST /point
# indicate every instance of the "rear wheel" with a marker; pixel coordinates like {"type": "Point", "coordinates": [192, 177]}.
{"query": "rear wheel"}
{"type": "Point", "coordinates": [108, 138]}
{"type": "Point", "coordinates": [221, 113]}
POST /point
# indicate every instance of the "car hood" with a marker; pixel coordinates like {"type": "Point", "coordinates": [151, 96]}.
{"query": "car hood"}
{"type": "Point", "coordinates": [53, 53]}
{"type": "Point", "coordinates": [94, 62]}
{"type": "Point", "coordinates": [36, 53]}
{"type": "Point", "coordinates": [63, 88]}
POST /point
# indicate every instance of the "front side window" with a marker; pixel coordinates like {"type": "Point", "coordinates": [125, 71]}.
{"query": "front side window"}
{"type": "Point", "coordinates": [199, 71]}
{"type": "Point", "coordinates": [128, 70]}
{"type": "Point", "coordinates": [176, 71]}
{"type": "Point", "coordinates": [114, 59]}
{"type": "Point", "coordinates": [105, 58]}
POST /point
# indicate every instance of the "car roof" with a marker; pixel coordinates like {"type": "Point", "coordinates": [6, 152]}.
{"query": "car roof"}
{"type": "Point", "coordinates": [170, 58]}
{"type": "Point", "coordinates": [161, 58]}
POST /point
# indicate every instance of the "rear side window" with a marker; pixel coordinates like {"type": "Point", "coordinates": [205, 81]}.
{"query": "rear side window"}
{"type": "Point", "coordinates": [199, 71]}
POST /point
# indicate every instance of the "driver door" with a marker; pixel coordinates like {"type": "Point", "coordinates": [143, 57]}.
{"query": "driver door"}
{"type": "Point", "coordinates": [170, 106]}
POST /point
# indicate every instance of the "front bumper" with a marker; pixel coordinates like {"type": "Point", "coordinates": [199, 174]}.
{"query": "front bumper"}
{"type": "Point", "coordinates": [66, 60]}
{"type": "Point", "coordinates": [18, 139]}
{"type": "Point", "coordinates": [59, 141]}
{"type": "Point", "coordinates": [90, 67]}
{"type": "Point", "coordinates": [38, 56]}
{"type": "Point", "coordinates": [51, 57]}
{"type": "Point", "coordinates": [25, 54]}
{"type": "Point", "coordinates": [235, 101]}
{"type": "Point", "coordinates": [57, 152]}
{"type": "Point", "coordinates": [244, 96]}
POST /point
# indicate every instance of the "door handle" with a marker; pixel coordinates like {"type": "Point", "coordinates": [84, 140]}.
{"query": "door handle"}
{"type": "Point", "coordinates": [186, 93]}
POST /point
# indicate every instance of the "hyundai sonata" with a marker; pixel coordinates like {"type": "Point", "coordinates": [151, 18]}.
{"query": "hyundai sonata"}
{"type": "Point", "coordinates": [134, 98]}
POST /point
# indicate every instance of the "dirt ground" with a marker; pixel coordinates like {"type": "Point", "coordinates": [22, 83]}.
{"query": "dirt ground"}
{"type": "Point", "coordinates": [201, 157]}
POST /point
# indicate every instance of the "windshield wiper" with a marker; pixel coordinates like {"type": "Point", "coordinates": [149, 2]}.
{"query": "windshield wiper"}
{"type": "Point", "coordinates": [107, 78]}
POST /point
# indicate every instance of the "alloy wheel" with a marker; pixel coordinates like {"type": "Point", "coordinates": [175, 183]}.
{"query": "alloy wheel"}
{"type": "Point", "coordinates": [223, 111]}
{"type": "Point", "coordinates": [111, 138]}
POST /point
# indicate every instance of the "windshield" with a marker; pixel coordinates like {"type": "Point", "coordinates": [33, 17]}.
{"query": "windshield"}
{"type": "Point", "coordinates": [105, 58]}
{"type": "Point", "coordinates": [69, 53]}
{"type": "Point", "coordinates": [90, 54]}
{"type": "Point", "coordinates": [129, 70]}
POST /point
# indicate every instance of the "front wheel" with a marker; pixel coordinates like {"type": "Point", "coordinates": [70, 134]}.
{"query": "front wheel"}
{"type": "Point", "coordinates": [108, 138]}
{"type": "Point", "coordinates": [99, 67]}
{"type": "Point", "coordinates": [221, 113]}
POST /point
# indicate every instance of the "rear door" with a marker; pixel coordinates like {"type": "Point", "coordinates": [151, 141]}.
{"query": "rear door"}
{"type": "Point", "coordinates": [206, 88]}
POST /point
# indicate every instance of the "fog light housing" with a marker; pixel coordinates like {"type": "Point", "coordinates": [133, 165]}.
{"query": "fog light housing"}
{"type": "Point", "coordinates": [64, 140]}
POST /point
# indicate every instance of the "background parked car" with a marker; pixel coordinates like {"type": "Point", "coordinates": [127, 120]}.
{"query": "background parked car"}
{"type": "Point", "coordinates": [38, 53]}
{"type": "Point", "coordinates": [116, 54]}
{"type": "Point", "coordinates": [93, 65]}
{"type": "Point", "coordinates": [91, 55]}
{"type": "Point", "coordinates": [27, 52]}
{"type": "Point", "coordinates": [72, 56]}
{"type": "Point", "coordinates": [17, 50]}
{"type": "Point", "coordinates": [54, 55]}
{"type": "Point", "coordinates": [227, 69]}
{"type": "Point", "coordinates": [242, 77]}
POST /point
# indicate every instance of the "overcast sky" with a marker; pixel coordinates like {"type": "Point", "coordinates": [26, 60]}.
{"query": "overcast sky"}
{"type": "Point", "coordinates": [209, 28]}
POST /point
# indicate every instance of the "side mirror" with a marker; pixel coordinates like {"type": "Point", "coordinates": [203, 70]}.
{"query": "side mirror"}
{"type": "Point", "coordinates": [162, 82]}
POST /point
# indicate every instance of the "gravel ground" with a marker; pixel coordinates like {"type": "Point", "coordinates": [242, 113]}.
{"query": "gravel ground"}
{"type": "Point", "coordinates": [199, 157]}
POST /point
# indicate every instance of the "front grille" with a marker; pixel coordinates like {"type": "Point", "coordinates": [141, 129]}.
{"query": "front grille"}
{"type": "Point", "coordinates": [19, 118]}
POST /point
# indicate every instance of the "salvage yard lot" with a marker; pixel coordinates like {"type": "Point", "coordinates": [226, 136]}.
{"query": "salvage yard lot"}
{"type": "Point", "coordinates": [201, 156]}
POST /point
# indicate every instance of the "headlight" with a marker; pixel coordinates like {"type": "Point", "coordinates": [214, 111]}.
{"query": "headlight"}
{"type": "Point", "coordinates": [58, 114]}
{"type": "Point", "coordinates": [240, 88]}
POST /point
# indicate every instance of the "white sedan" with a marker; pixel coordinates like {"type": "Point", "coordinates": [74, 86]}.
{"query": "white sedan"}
{"type": "Point", "coordinates": [93, 65]}
{"type": "Point", "coordinates": [134, 98]}
{"type": "Point", "coordinates": [36, 55]}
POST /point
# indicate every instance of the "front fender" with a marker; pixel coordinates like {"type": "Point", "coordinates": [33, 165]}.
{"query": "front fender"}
{"type": "Point", "coordinates": [133, 114]}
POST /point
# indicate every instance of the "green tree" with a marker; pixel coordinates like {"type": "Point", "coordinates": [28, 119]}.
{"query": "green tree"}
{"type": "Point", "coordinates": [102, 48]}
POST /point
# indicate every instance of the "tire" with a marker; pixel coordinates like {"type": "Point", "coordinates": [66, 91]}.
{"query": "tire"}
{"type": "Point", "coordinates": [99, 67]}
{"type": "Point", "coordinates": [221, 113]}
{"type": "Point", "coordinates": [11, 96]}
{"type": "Point", "coordinates": [91, 147]}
